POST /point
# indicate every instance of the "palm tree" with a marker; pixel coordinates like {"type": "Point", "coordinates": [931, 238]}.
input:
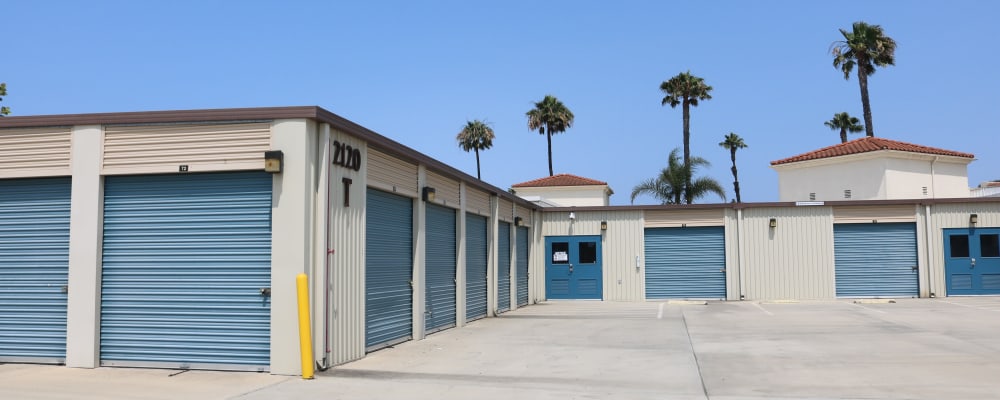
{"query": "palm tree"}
{"type": "Point", "coordinates": [685, 90]}
{"type": "Point", "coordinates": [3, 92]}
{"type": "Point", "coordinates": [476, 135]}
{"type": "Point", "coordinates": [845, 123]}
{"type": "Point", "coordinates": [671, 184]}
{"type": "Point", "coordinates": [550, 116]}
{"type": "Point", "coordinates": [866, 47]}
{"type": "Point", "coordinates": [733, 142]}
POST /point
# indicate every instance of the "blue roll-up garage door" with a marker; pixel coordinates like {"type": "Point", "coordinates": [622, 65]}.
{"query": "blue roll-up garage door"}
{"type": "Point", "coordinates": [503, 267]}
{"type": "Point", "coordinates": [441, 267]}
{"type": "Point", "coordinates": [34, 263]}
{"type": "Point", "coordinates": [685, 263]}
{"type": "Point", "coordinates": [876, 260]}
{"type": "Point", "coordinates": [476, 267]}
{"type": "Point", "coordinates": [388, 269]}
{"type": "Point", "coordinates": [187, 270]}
{"type": "Point", "coordinates": [522, 266]}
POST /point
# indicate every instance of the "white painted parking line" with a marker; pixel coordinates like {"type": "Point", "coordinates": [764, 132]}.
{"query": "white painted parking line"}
{"type": "Point", "coordinates": [968, 306]}
{"type": "Point", "coordinates": [659, 315]}
{"type": "Point", "coordinates": [763, 309]}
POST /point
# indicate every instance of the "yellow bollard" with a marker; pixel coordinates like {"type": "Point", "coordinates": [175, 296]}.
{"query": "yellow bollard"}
{"type": "Point", "coordinates": [305, 332]}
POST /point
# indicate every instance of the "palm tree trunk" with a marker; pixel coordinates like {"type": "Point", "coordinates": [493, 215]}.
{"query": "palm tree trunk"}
{"type": "Point", "coordinates": [687, 151]}
{"type": "Point", "coordinates": [843, 135]}
{"type": "Point", "coordinates": [736, 178]}
{"type": "Point", "coordinates": [865, 105]}
{"type": "Point", "coordinates": [548, 135]}
{"type": "Point", "coordinates": [477, 165]}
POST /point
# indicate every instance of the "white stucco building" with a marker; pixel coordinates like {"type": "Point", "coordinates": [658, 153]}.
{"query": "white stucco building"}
{"type": "Point", "coordinates": [873, 168]}
{"type": "Point", "coordinates": [564, 190]}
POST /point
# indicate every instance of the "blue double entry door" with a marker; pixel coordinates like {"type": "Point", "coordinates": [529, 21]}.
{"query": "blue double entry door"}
{"type": "Point", "coordinates": [972, 261]}
{"type": "Point", "coordinates": [573, 267]}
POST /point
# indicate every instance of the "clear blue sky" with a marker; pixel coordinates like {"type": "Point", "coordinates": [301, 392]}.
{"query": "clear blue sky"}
{"type": "Point", "coordinates": [416, 71]}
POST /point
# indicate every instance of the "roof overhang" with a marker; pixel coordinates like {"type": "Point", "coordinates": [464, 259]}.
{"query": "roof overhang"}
{"type": "Point", "coordinates": [873, 155]}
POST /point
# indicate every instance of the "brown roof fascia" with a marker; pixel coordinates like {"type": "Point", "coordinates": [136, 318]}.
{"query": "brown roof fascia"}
{"type": "Point", "coordinates": [401, 150]}
{"type": "Point", "coordinates": [737, 206]}
{"type": "Point", "coordinates": [153, 117]}
{"type": "Point", "coordinates": [259, 113]}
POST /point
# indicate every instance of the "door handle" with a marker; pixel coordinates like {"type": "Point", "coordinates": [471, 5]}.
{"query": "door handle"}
{"type": "Point", "coordinates": [973, 265]}
{"type": "Point", "coordinates": [265, 292]}
{"type": "Point", "coordinates": [913, 268]}
{"type": "Point", "coordinates": [571, 268]}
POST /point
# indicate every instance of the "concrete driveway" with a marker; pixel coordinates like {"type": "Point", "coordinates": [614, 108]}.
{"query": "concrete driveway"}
{"type": "Point", "coordinates": [911, 349]}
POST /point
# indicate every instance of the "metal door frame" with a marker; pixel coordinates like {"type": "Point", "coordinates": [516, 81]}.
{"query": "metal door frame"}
{"type": "Point", "coordinates": [573, 257]}
{"type": "Point", "coordinates": [975, 253]}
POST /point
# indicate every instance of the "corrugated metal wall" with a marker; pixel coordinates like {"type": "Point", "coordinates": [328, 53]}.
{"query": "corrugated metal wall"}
{"type": "Point", "coordinates": [536, 263]}
{"type": "Point", "coordinates": [734, 273]}
{"type": "Point", "coordinates": [684, 218]}
{"type": "Point", "coordinates": [874, 214]}
{"type": "Point", "coordinates": [391, 174]}
{"type": "Point", "coordinates": [506, 212]}
{"type": "Point", "coordinates": [524, 213]}
{"type": "Point", "coordinates": [347, 269]}
{"type": "Point", "coordinates": [34, 152]}
{"type": "Point", "coordinates": [447, 191]}
{"type": "Point", "coordinates": [791, 261]}
{"type": "Point", "coordinates": [203, 147]}
{"type": "Point", "coordinates": [478, 202]}
{"type": "Point", "coordinates": [622, 243]}
{"type": "Point", "coordinates": [953, 216]}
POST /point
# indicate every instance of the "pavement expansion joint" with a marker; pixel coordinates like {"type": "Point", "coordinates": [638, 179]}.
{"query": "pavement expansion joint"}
{"type": "Point", "coordinates": [780, 301]}
{"type": "Point", "coordinates": [875, 301]}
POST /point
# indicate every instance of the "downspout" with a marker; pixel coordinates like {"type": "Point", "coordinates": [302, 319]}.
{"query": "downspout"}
{"type": "Point", "coordinates": [933, 179]}
{"type": "Point", "coordinates": [327, 252]}
{"type": "Point", "coordinates": [927, 248]}
{"type": "Point", "coordinates": [739, 255]}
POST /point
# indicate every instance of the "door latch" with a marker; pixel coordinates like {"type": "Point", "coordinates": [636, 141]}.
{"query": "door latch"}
{"type": "Point", "coordinates": [973, 263]}
{"type": "Point", "coordinates": [265, 292]}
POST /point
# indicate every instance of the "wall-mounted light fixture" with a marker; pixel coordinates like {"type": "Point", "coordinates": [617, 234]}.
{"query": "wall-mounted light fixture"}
{"type": "Point", "coordinates": [518, 221]}
{"type": "Point", "coordinates": [973, 219]}
{"type": "Point", "coordinates": [274, 161]}
{"type": "Point", "coordinates": [572, 215]}
{"type": "Point", "coordinates": [604, 225]}
{"type": "Point", "coordinates": [427, 194]}
{"type": "Point", "coordinates": [773, 223]}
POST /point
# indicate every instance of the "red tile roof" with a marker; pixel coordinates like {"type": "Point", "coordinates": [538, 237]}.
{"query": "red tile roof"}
{"type": "Point", "coordinates": [869, 144]}
{"type": "Point", "coordinates": [560, 180]}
